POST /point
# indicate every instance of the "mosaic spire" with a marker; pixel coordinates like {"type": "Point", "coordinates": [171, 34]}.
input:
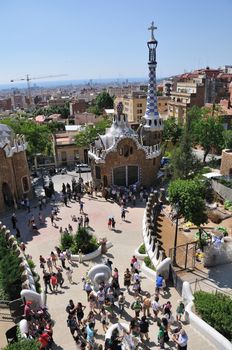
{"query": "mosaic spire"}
{"type": "Point", "coordinates": [152, 115]}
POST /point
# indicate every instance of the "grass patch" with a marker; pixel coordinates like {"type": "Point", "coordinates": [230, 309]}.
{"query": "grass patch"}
{"type": "Point", "coordinates": [142, 249]}
{"type": "Point", "coordinates": [149, 263]}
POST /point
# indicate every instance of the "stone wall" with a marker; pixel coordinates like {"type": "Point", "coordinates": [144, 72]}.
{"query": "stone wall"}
{"type": "Point", "coordinates": [226, 163]}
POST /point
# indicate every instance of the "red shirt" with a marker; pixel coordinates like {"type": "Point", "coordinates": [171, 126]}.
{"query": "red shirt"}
{"type": "Point", "coordinates": [53, 280]}
{"type": "Point", "coordinates": [43, 339]}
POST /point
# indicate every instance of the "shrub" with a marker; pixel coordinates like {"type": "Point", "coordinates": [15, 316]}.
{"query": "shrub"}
{"type": "Point", "coordinates": [66, 241]}
{"type": "Point", "coordinates": [142, 249]}
{"type": "Point", "coordinates": [23, 344]}
{"type": "Point", "coordinates": [10, 275]}
{"type": "Point", "coordinates": [31, 264]}
{"type": "Point", "coordinates": [84, 241]}
{"type": "Point", "coordinates": [216, 310]}
{"type": "Point", "coordinates": [149, 263]}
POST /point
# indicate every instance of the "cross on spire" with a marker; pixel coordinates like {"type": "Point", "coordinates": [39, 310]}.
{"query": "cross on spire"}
{"type": "Point", "coordinates": [152, 28]}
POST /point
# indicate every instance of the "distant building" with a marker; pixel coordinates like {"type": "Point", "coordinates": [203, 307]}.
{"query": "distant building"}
{"type": "Point", "coordinates": [14, 172]}
{"type": "Point", "coordinates": [66, 152]}
{"type": "Point", "coordinates": [18, 101]}
{"type": "Point", "coordinates": [5, 104]}
{"type": "Point", "coordinates": [86, 118]}
{"type": "Point", "coordinates": [78, 106]}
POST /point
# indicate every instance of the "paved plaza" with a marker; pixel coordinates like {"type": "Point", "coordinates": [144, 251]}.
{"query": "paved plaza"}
{"type": "Point", "coordinates": [125, 238]}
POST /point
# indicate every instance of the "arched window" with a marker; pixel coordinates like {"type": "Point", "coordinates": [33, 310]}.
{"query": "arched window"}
{"type": "Point", "coordinates": [155, 122]}
{"type": "Point", "coordinates": [131, 150]}
{"type": "Point", "coordinates": [149, 122]}
{"type": "Point", "coordinates": [126, 151]}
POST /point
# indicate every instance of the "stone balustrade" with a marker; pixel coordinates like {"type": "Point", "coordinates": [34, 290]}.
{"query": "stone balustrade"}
{"type": "Point", "coordinates": [27, 277]}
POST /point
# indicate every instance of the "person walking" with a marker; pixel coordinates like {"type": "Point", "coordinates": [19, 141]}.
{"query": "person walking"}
{"type": "Point", "coordinates": [156, 307]}
{"type": "Point", "coordinates": [53, 258]}
{"type": "Point", "coordinates": [159, 283]}
{"type": "Point", "coordinates": [147, 305]}
{"type": "Point", "coordinates": [144, 328]}
{"type": "Point", "coordinates": [62, 259]}
{"type": "Point", "coordinates": [121, 303]}
{"type": "Point", "coordinates": [81, 208]}
{"type": "Point", "coordinates": [137, 307]}
{"type": "Point", "coordinates": [72, 325]}
{"type": "Point", "coordinates": [109, 223]}
{"type": "Point", "coordinates": [60, 278]}
{"type": "Point", "coordinates": [127, 279]}
{"type": "Point", "coordinates": [113, 223]}
{"type": "Point", "coordinates": [123, 214]}
{"type": "Point", "coordinates": [14, 220]}
{"type": "Point", "coordinates": [52, 217]}
{"type": "Point", "coordinates": [42, 261]}
{"type": "Point", "coordinates": [180, 310]}
{"type": "Point", "coordinates": [46, 279]}
{"type": "Point", "coordinates": [80, 255]}
{"type": "Point", "coordinates": [181, 339]}
{"type": "Point", "coordinates": [18, 234]}
{"type": "Point", "coordinates": [49, 264]}
{"type": "Point", "coordinates": [54, 282]}
{"type": "Point", "coordinates": [69, 274]}
{"type": "Point", "coordinates": [80, 312]}
{"type": "Point", "coordinates": [104, 319]}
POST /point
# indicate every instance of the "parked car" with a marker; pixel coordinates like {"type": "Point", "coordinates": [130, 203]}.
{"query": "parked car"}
{"type": "Point", "coordinates": [82, 168]}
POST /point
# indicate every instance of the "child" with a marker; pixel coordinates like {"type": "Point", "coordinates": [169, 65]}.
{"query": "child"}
{"type": "Point", "coordinates": [180, 310]}
{"type": "Point", "coordinates": [69, 273]}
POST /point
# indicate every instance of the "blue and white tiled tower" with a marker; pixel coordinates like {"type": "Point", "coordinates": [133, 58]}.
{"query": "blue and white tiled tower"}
{"type": "Point", "coordinates": [152, 124]}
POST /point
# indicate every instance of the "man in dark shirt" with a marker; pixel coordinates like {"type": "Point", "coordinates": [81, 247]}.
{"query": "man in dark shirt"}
{"type": "Point", "coordinates": [46, 279]}
{"type": "Point", "coordinates": [144, 328]}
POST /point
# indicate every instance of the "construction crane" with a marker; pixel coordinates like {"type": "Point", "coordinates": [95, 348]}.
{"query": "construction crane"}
{"type": "Point", "coordinates": [27, 78]}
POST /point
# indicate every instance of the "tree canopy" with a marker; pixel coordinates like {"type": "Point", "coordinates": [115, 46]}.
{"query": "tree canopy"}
{"type": "Point", "coordinates": [172, 131]}
{"type": "Point", "coordinates": [102, 101]}
{"type": "Point", "coordinates": [188, 195]}
{"type": "Point", "coordinates": [86, 137]}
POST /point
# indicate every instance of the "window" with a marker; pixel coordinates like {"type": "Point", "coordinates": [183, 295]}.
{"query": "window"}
{"type": "Point", "coordinates": [131, 150]}
{"type": "Point", "coordinates": [25, 184]}
{"type": "Point", "coordinates": [126, 151]}
{"type": "Point", "coordinates": [98, 172]}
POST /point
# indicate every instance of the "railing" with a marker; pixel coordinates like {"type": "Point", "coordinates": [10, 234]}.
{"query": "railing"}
{"type": "Point", "coordinates": [202, 285]}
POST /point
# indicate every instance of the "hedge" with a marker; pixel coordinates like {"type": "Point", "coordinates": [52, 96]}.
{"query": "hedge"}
{"type": "Point", "coordinates": [10, 274]}
{"type": "Point", "coordinates": [149, 263]}
{"type": "Point", "coordinates": [216, 310]}
{"type": "Point", "coordinates": [142, 249]}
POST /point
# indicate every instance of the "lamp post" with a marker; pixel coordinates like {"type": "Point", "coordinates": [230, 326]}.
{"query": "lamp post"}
{"type": "Point", "coordinates": [176, 232]}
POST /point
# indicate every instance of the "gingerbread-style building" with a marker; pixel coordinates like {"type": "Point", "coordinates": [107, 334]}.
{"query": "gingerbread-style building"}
{"type": "Point", "coordinates": [14, 172]}
{"type": "Point", "coordinates": [123, 157]}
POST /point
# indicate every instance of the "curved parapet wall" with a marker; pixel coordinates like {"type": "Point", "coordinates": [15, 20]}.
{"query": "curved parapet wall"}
{"type": "Point", "coordinates": [92, 255]}
{"type": "Point", "coordinates": [215, 338]}
{"type": "Point", "coordinates": [150, 237]}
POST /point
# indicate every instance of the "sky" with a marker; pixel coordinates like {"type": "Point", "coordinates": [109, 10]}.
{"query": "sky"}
{"type": "Point", "coordinates": [98, 39]}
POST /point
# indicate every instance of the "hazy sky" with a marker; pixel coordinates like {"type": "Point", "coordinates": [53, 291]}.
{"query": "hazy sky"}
{"type": "Point", "coordinates": [107, 38]}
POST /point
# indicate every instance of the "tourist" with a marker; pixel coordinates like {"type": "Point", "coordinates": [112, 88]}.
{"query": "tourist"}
{"type": "Point", "coordinates": [40, 204]}
{"type": "Point", "coordinates": [52, 217]}
{"type": "Point", "coordinates": [92, 301]}
{"type": "Point", "coordinates": [28, 205]}
{"type": "Point", "coordinates": [109, 263]}
{"type": "Point", "coordinates": [180, 310]}
{"type": "Point", "coordinates": [72, 324]}
{"type": "Point", "coordinates": [81, 208]}
{"type": "Point", "coordinates": [100, 297]}
{"type": "Point", "coordinates": [159, 283]}
{"type": "Point", "coordinates": [70, 228]}
{"type": "Point", "coordinates": [181, 339]}
{"type": "Point", "coordinates": [49, 264]}
{"type": "Point", "coordinates": [91, 318]}
{"type": "Point", "coordinates": [90, 335]}
{"type": "Point", "coordinates": [69, 255]}
{"type": "Point", "coordinates": [80, 255]}
{"type": "Point", "coordinates": [144, 328]}
{"type": "Point", "coordinates": [137, 287]}
{"type": "Point", "coordinates": [53, 258]}
{"type": "Point", "coordinates": [147, 305]}
{"type": "Point", "coordinates": [115, 274]}
{"type": "Point", "coordinates": [28, 312]}
{"type": "Point", "coordinates": [110, 292]}
{"type": "Point", "coordinates": [71, 308]}
{"type": "Point", "coordinates": [155, 305]}
{"type": "Point", "coordinates": [104, 319]}
{"type": "Point", "coordinates": [46, 279]}
{"type": "Point", "coordinates": [86, 221]}
{"type": "Point", "coordinates": [62, 259]}
{"type": "Point", "coordinates": [121, 303]}
{"type": "Point", "coordinates": [109, 223]}
{"type": "Point", "coordinates": [18, 234]}
{"type": "Point", "coordinates": [80, 312]}
{"type": "Point", "coordinates": [43, 339]}
{"type": "Point", "coordinates": [87, 287]}
{"type": "Point", "coordinates": [134, 200]}
{"type": "Point", "coordinates": [42, 261]}
{"type": "Point", "coordinates": [60, 278]}
{"type": "Point", "coordinates": [160, 336]}
{"type": "Point", "coordinates": [123, 214]}
{"type": "Point", "coordinates": [137, 307]}
{"type": "Point", "coordinates": [127, 279]}
{"type": "Point", "coordinates": [58, 251]}
{"type": "Point", "coordinates": [69, 274]}
{"type": "Point", "coordinates": [113, 223]}
{"type": "Point", "coordinates": [54, 282]}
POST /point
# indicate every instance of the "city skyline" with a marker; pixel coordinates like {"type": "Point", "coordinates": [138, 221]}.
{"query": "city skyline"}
{"type": "Point", "coordinates": [102, 40]}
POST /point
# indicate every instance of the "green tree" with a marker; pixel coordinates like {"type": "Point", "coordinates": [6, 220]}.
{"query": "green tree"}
{"type": "Point", "coordinates": [104, 100]}
{"type": "Point", "coordinates": [183, 162]}
{"type": "Point", "coordinates": [86, 137]}
{"type": "Point", "coordinates": [24, 344]}
{"type": "Point", "coordinates": [172, 132]}
{"type": "Point", "coordinates": [208, 133]}
{"type": "Point", "coordinates": [188, 195]}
